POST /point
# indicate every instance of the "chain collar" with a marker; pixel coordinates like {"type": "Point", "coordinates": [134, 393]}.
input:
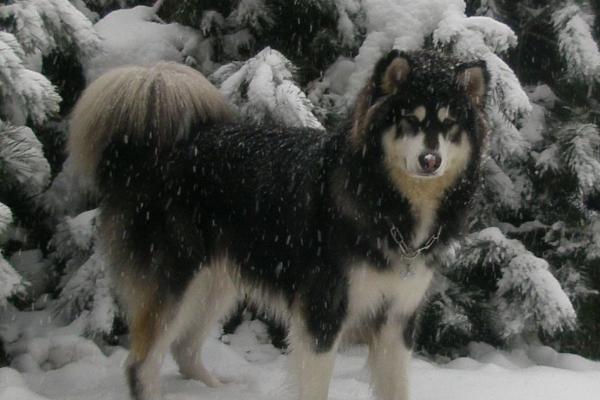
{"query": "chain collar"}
{"type": "Point", "coordinates": [405, 249]}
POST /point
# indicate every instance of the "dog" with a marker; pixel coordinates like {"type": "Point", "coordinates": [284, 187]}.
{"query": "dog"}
{"type": "Point", "coordinates": [330, 233]}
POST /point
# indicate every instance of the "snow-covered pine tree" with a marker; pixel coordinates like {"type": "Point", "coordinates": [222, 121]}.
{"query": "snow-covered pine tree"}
{"type": "Point", "coordinates": [567, 168]}
{"type": "Point", "coordinates": [11, 282]}
{"type": "Point", "coordinates": [95, 9]}
{"type": "Point", "coordinates": [541, 189]}
{"type": "Point", "coordinates": [510, 294]}
{"type": "Point", "coordinates": [310, 33]}
{"type": "Point", "coordinates": [269, 93]}
{"type": "Point", "coordinates": [84, 286]}
{"type": "Point", "coordinates": [29, 31]}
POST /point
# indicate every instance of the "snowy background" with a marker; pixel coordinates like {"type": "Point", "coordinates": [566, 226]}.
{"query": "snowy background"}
{"type": "Point", "coordinates": [515, 310]}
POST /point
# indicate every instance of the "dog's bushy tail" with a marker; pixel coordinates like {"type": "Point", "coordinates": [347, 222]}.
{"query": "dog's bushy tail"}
{"type": "Point", "coordinates": [150, 107]}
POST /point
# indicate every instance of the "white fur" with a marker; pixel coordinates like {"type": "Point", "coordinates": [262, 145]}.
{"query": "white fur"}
{"type": "Point", "coordinates": [209, 296]}
{"type": "Point", "coordinates": [420, 113]}
{"type": "Point", "coordinates": [388, 361]}
{"type": "Point", "coordinates": [402, 286]}
{"type": "Point", "coordinates": [310, 372]}
{"type": "Point", "coordinates": [443, 113]}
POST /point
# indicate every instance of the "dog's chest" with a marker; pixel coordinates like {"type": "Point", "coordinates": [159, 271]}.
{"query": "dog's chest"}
{"type": "Point", "coordinates": [401, 288]}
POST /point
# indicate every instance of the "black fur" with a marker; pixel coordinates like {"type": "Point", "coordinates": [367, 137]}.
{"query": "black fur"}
{"type": "Point", "coordinates": [408, 331]}
{"type": "Point", "coordinates": [135, 388]}
{"type": "Point", "coordinates": [270, 197]}
{"type": "Point", "coordinates": [4, 358]}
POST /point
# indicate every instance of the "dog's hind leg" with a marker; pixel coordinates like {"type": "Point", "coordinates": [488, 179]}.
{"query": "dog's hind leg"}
{"type": "Point", "coordinates": [210, 295]}
{"type": "Point", "coordinates": [151, 333]}
{"type": "Point", "coordinates": [389, 356]}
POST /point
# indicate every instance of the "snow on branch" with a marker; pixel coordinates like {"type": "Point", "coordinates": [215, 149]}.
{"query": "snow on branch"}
{"type": "Point", "coordinates": [82, 6]}
{"type": "Point", "coordinates": [528, 296]}
{"type": "Point", "coordinates": [72, 244]}
{"type": "Point", "coordinates": [77, 232]}
{"type": "Point", "coordinates": [580, 148]}
{"type": "Point", "coordinates": [212, 21]}
{"type": "Point", "coordinates": [509, 150]}
{"type": "Point", "coordinates": [87, 295]}
{"type": "Point", "coordinates": [497, 36]}
{"type": "Point", "coordinates": [43, 25]}
{"type": "Point", "coordinates": [594, 234]}
{"type": "Point", "coordinates": [481, 38]}
{"type": "Point", "coordinates": [405, 25]}
{"type": "Point", "coordinates": [253, 14]}
{"type": "Point", "coordinates": [402, 24]}
{"type": "Point", "coordinates": [85, 288]}
{"type": "Point", "coordinates": [6, 218]}
{"type": "Point", "coordinates": [506, 142]}
{"type": "Point", "coordinates": [27, 26]}
{"type": "Point", "coordinates": [488, 247]}
{"type": "Point", "coordinates": [38, 95]}
{"type": "Point", "coordinates": [11, 282]}
{"type": "Point", "coordinates": [577, 44]}
{"type": "Point", "coordinates": [548, 159]}
{"type": "Point", "coordinates": [30, 90]}
{"type": "Point", "coordinates": [263, 88]}
{"type": "Point", "coordinates": [501, 185]}
{"type": "Point", "coordinates": [449, 300]}
{"type": "Point", "coordinates": [136, 36]}
{"type": "Point", "coordinates": [348, 11]}
{"type": "Point", "coordinates": [22, 158]}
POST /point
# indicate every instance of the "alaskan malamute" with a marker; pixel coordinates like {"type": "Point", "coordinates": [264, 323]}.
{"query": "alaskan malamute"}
{"type": "Point", "coordinates": [330, 233]}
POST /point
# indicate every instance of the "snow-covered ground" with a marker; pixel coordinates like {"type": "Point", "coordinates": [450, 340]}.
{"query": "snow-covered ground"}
{"type": "Point", "coordinates": [50, 362]}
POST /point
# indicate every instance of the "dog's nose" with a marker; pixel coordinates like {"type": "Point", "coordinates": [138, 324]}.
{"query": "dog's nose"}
{"type": "Point", "coordinates": [430, 161]}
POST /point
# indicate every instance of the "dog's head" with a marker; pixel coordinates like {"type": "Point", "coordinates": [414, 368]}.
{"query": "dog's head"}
{"type": "Point", "coordinates": [423, 111]}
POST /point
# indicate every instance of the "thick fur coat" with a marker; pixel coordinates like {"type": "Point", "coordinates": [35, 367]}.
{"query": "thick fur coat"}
{"type": "Point", "coordinates": [332, 233]}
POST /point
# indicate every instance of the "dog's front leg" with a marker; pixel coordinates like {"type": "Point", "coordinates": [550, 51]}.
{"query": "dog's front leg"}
{"type": "Point", "coordinates": [310, 362]}
{"type": "Point", "coordinates": [389, 356]}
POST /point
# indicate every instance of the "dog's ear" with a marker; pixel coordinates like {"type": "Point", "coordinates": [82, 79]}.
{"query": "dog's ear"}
{"type": "Point", "coordinates": [473, 78]}
{"type": "Point", "coordinates": [390, 73]}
